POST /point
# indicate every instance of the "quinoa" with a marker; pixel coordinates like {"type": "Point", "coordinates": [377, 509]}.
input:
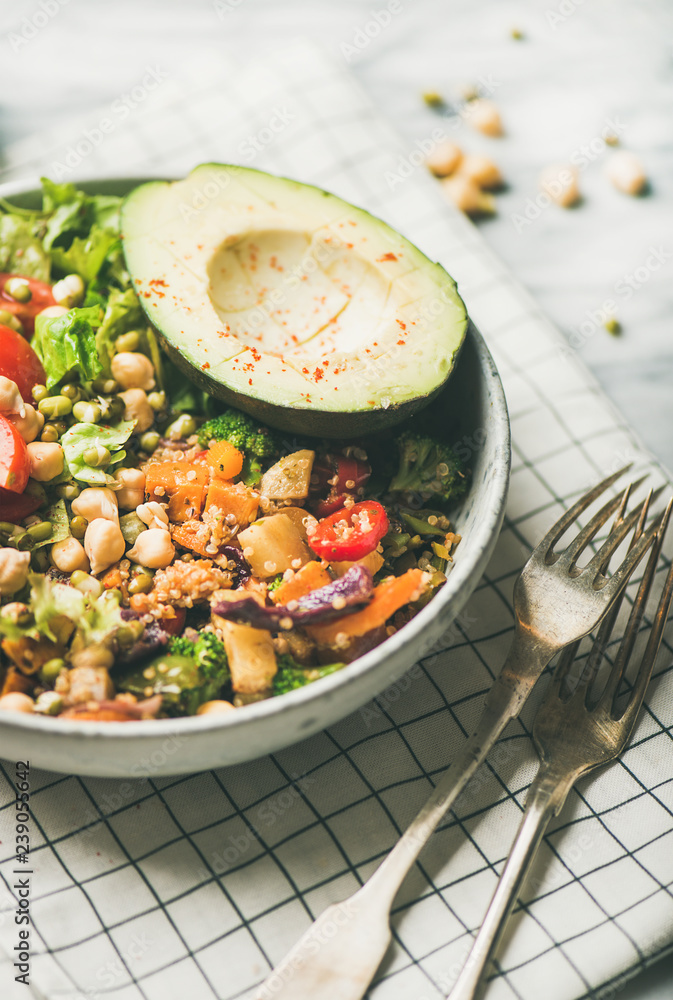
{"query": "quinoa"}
{"type": "Point", "coordinates": [182, 584]}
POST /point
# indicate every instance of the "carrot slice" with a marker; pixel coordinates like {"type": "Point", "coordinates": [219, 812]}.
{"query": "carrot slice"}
{"type": "Point", "coordinates": [194, 536]}
{"type": "Point", "coordinates": [183, 484]}
{"type": "Point", "coordinates": [390, 595]}
{"type": "Point", "coordinates": [232, 498]}
{"type": "Point", "coordinates": [225, 460]}
{"type": "Point", "coordinates": [311, 576]}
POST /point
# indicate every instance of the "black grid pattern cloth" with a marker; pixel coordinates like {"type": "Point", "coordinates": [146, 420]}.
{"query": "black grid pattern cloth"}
{"type": "Point", "coordinates": [161, 888]}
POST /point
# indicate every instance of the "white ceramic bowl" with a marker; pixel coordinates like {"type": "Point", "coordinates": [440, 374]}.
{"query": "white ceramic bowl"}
{"type": "Point", "coordinates": [476, 418]}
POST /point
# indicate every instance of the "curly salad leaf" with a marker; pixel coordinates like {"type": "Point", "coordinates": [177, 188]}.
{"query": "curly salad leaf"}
{"type": "Point", "coordinates": [21, 250]}
{"type": "Point", "coordinates": [123, 312]}
{"type": "Point", "coordinates": [57, 515]}
{"type": "Point", "coordinates": [73, 232]}
{"type": "Point", "coordinates": [80, 437]}
{"type": "Point", "coordinates": [67, 343]}
{"type": "Point", "coordinates": [85, 256]}
{"type": "Point", "coordinates": [58, 610]}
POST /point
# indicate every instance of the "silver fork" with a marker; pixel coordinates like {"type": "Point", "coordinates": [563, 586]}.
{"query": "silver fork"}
{"type": "Point", "coordinates": [572, 738]}
{"type": "Point", "coordinates": [555, 603]}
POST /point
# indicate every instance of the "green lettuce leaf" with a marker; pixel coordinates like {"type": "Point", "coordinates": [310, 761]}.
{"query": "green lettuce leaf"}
{"type": "Point", "coordinates": [105, 210]}
{"type": "Point", "coordinates": [65, 220]}
{"type": "Point", "coordinates": [123, 313]}
{"type": "Point", "coordinates": [21, 251]}
{"type": "Point", "coordinates": [67, 344]}
{"type": "Point", "coordinates": [51, 603]}
{"type": "Point", "coordinates": [78, 438]}
{"type": "Point", "coordinates": [54, 195]}
{"type": "Point", "coordinates": [60, 524]}
{"type": "Point", "coordinates": [85, 256]}
{"type": "Point", "coordinates": [102, 619]}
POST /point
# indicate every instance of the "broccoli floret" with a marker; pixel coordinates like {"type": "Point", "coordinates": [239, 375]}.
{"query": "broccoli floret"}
{"type": "Point", "coordinates": [180, 645]}
{"type": "Point", "coordinates": [245, 433]}
{"type": "Point", "coordinates": [291, 675]}
{"type": "Point", "coordinates": [429, 468]}
{"type": "Point", "coordinates": [275, 583]}
{"type": "Point", "coordinates": [206, 650]}
{"type": "Point", "coordinates": [211, 657]}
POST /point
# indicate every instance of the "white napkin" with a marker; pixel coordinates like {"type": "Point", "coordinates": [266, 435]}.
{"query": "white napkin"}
{"type": "Point", "coordinates": [197, 885]}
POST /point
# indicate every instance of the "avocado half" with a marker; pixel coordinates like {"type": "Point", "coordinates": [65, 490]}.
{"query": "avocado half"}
{"type": "Point", "coordinates": [288, 302]}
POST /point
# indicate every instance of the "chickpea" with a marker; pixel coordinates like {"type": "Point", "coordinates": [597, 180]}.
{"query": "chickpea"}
{"type": "Point", "coordinates": [444, 159]}
{"type": "Point", "coordinates": [153, 548]}
{"type": "Point", "coordinates": [11, 400]}
{"type": "Point", "coordinates": [96, 501]}
{"type": "Point", "coordinates": [153, 515]}
{"type": "Point", "coordinates": [468, 196]}
{"type": "Point", "coordinates": [46, 460]}
{"type": "Point", "coordinates": [482, 170]}
{"type": "Point", "coordinates": [29, 425]}
{"type": "Point", "coordinates": [14, 566]}
{"type": "Point", "coordinates": [137, 408]}
{"type": "Point", "coordinates": [69, 291]}
{"type": "Point", "coordinates": [52, 311]}
{"type": "Point", "coordinates": [626, 172]}
{"type": "Point", "coordinates": [214, 707]}
{"type": "Point", "coordinates": [103, 543]}
{"type": "Point", "coordinates": [483, 115]}
{"type": "Point", "coordinates": [69, 555]}
{"type": "Point", "coordinates": [133, 370]}
{"type": "Point", "coordinates": [132, 488]}
{"type": "Point", "coordinates": [560, 183]}
{"type": "Point", "coordinates": [17, 701]}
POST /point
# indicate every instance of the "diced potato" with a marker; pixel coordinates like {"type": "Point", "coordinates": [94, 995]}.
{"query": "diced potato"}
{"type": "Point", "coordinates": [252, 658]}
{"type": "Point", "coordinates": [289, 478]}
{"type": "Point", "coordinates": [300, 518]}
{"type": "Point", "coordinates": [272, 545]}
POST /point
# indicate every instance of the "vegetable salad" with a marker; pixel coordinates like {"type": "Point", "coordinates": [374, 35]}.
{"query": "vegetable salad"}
{"type": "Point", "coordinates": [162, 554]}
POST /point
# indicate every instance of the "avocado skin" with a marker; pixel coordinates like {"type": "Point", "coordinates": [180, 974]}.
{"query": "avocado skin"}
{"type": "Point", "coordinates": [314, 423]}
{"type": "Point", "coordinates": [309, 421]}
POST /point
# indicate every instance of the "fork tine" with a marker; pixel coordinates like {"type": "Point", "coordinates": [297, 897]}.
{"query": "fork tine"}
{"type": "Point", "coordinates": [571, 515]}
{"type": "Point", "coordinates": [575, 548]}
{"type": "Point", "coordinates": [593, 661]}
{"type": "Point", "coordinates": [631, 632]}
{"type": "Point", "coordinates": [636, 616]}
{"type": "Point", "coordinates": [618, 534]}
{"type": "Point", "coordinates": [642, 680]}
{"type": "Point", "coordinates": [621, 576]}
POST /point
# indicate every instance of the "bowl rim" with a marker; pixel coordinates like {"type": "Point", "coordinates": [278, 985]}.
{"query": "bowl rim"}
{"type": "Point", "coordinates": [483, 538]}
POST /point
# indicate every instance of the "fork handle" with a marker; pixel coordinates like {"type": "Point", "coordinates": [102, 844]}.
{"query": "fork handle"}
{"type": "Point", "coordinates": [340, 952]}
{"type": "Point", "coordinates": [545, 800]}
{"type": "Point", "coordinates": [526, 659]}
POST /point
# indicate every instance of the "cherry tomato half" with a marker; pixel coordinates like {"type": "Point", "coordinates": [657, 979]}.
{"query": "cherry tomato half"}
{"type": "Point", "coordinates": [14, 461]}
{"type": "Point", "coordinates": [15, 506]}
{"type": "Point", "coordinates": [336, 478]}
{"type": "Point", "coordinates": [351, 533]}
{"type": "Point", "coordinates": [19, 362]}
{"type": "Point", "coordinates": [174, 626]}
{"type": "Point", "coordinates": [41, 297]}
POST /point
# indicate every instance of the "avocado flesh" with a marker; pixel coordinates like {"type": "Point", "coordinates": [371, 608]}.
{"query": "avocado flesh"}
{"type": "Point", "coordinates": [290, 303]}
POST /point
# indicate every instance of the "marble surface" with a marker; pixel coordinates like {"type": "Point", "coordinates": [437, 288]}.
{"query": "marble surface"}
{"type": "Point", "coordinates": [578, 69]}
